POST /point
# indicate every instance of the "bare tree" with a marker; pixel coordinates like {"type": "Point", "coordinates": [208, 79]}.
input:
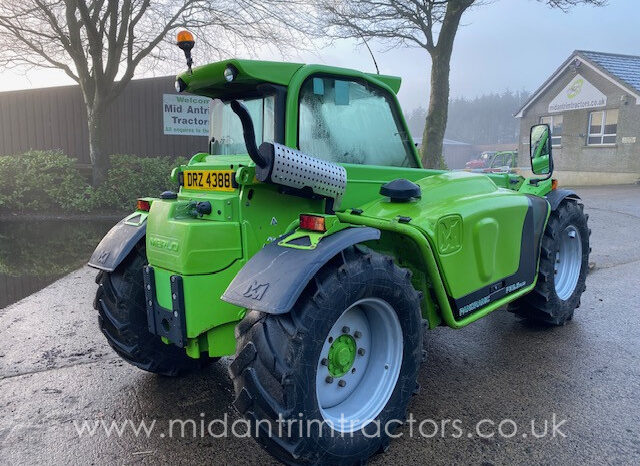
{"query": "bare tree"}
{"type": "Point", "coordinates": [100, 43]}
{"type": "Point", "coordinates": [428, 24]}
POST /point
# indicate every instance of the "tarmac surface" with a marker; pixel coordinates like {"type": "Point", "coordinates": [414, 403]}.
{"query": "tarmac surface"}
{"type": "Point", "coordinates": [497, 375]}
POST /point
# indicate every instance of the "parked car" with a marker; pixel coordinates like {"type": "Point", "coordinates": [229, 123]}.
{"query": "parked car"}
{"type": "Point", "coordinates": [505, 161]}
{"type": "Point", "coordinates": [481, 161]}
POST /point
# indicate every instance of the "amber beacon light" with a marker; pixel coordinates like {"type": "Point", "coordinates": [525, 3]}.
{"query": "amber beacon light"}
{"type": "Point", "coordinates": [186, 42]}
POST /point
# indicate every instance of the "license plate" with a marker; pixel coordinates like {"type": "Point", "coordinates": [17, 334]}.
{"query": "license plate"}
{"type": "Point", "coordinates": [210, 180]}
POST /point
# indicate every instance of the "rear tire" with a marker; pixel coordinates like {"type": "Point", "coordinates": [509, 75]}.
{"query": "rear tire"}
{"type": "Point", "coordinates": [281, 368]}
{"type": "Point", "coordinates": [564, 263]}
{"type": "Point", "coordinates": [122, 319]}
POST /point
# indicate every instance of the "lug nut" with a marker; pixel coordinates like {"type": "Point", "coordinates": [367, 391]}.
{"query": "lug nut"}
{"type": "Point", "coordinates": [346, 329]}
{"type": "Point", "coordinates": [341, 383]}
{"type": "Point", "coordinates": [357, 334]}
{"type": "Point", "coordinates": [329, 379]}
{"type": "Point", "coordinates": [361, 351]}
{"type": "Point", "coordinates": [324, 361]}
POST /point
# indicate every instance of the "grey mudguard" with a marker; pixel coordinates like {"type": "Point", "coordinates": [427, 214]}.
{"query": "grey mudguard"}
{"type": "Point", "coordinates": [116, 245]}
{"type": "Point", "coordinates": [556, 196]}
{"type": "Point", "coordinates": [274, 278]}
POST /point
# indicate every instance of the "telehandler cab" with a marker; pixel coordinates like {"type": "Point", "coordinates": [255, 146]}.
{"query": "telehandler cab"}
{"type": "Point", "coordinates": [310, 228]}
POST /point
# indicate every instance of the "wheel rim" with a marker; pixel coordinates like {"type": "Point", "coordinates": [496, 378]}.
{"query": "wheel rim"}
{"type": "Point", "coordinates": [568, 262]}
{"type": "Point", "coordinates": [359, 364]}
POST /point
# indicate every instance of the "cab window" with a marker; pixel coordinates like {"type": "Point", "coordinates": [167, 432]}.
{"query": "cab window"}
{"type": "Point", "coordinates": [351, 122]}
{"type": "Point", "coordinates": [226, 136]}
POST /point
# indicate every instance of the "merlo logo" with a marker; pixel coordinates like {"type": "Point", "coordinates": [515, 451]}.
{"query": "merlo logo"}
{"type": "Point", "coordinates": [256, 290]}
{"type": "Point", "coordinates": [449, 234]}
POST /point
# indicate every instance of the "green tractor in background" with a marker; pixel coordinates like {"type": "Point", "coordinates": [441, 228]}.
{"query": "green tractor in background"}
{"type": "Point", "coordinates": [309, 242]}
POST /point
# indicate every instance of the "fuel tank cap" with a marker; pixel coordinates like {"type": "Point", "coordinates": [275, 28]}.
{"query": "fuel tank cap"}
{"type": "Point", "coordinates": [168, 195]}
{"type": "Point", "coordinates": [401, 190]}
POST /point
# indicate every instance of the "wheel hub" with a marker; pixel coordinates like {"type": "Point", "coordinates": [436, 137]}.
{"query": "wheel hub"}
{"type": "Point", "coordinates": [354, 377]}
{"type": "Point", "coordinates": [342, 353]}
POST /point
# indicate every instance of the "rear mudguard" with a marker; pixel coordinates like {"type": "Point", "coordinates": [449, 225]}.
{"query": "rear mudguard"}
{"type": "Point", "coordinates": [556, 196]}
{"type": "Point", "coordinates": [118, 243]}
{"type": "Point", "coordinates": [274, 278]}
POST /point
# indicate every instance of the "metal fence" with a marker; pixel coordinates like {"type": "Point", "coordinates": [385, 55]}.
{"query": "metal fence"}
{"type": "Point", "coordinates": [55, 118]}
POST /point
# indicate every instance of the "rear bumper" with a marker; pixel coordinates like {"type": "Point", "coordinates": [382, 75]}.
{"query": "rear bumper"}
{"type": "Point", "coordinates": [181, 308]}
{"type": "Point", "coordinates": [167, 323]}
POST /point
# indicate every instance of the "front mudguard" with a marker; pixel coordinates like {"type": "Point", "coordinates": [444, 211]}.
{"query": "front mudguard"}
{"type": "Point", "coordinates": [556, 196]}
{"type": "Point", "coordinates": [273, 279]}
{"type": "Point", "coordinates": [119, 242]}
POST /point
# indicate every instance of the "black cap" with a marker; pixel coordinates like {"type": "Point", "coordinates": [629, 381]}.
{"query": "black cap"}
{"type": "Point", "coordinates": [168, 195]}
{"type": "Point", "coordinates": [400, 190]}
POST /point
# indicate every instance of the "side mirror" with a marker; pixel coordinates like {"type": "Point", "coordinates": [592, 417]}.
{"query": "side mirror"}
{"type": "Point", "coordinates": [540, 150]}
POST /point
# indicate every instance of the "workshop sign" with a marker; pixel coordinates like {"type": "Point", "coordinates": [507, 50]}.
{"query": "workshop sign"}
{"type": "Point", "coordinates": [578, 94]}
{"type": "Point", "coordinates": [185, 115]}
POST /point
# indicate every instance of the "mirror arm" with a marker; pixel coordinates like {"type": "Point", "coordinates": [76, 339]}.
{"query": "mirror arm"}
{"type": "Point", "coordinates": [535, 181]}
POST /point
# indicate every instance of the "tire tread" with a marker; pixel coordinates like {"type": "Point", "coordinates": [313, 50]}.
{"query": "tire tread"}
{"type": "Point", "coordinates": [122, 320]}
{"type": "Point", "coordinates": [542, 304]}
{"type": "Point", "coordinates": [268, 346]}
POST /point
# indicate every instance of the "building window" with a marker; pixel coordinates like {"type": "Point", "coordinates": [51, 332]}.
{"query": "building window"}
{"type": "Point", "coordinates": [603, 127]}
{"type": "Point", "coordinates": [555, 123]}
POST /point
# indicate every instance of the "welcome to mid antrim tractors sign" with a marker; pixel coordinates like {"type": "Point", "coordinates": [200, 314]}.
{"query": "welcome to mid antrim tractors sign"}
{"type": "Point", "coordinates": [185, 115]}
{"type": "Point", "coordinates": [578, 94]}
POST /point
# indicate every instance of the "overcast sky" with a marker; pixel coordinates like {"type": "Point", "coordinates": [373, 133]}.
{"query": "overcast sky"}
{"type": "Point", "coordinates": [509, 44]}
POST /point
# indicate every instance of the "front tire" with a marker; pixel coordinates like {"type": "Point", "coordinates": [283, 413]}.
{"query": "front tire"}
{"type": "Point", "coordinates": [564, 263]}
{"type": "Point", "coordinates": [308, 366]}
{"type": "Point", "coordinates": [122, 319]}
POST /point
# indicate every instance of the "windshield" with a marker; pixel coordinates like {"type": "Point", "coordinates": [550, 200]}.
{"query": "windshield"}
{"type": "Point", "coordinates": [225, 129]}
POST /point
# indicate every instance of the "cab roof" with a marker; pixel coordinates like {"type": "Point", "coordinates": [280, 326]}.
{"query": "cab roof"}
{"type": "Point", "coordinates": [208, 80]}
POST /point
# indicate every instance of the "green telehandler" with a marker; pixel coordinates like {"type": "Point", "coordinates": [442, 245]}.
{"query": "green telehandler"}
{"type": "Point", "coordinates": [309, 242]}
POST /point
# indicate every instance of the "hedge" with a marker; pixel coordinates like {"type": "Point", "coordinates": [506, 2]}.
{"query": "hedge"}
{"type": "Point", "coordinates": [50, 182]}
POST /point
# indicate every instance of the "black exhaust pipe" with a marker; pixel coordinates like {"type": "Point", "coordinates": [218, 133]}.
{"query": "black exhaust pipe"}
{"type": "Point", "coordinates": [249, 133]}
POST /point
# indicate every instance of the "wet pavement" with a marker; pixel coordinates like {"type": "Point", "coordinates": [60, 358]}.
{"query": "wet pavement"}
{"type": "Point", "coordinates": [499, 373]}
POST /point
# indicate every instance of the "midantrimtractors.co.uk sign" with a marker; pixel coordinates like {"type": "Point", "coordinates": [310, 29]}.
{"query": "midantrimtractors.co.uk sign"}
{"type": "Point", "coordinates": [578, 94]}
{"type": "Point", "coordinates": [185, 115]}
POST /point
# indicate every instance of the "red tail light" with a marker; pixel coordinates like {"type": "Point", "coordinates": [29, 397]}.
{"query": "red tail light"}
{"type": "Point", "coordinates": [312, 222]}
{"type": "Point", "coordinates": [143, 205]}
